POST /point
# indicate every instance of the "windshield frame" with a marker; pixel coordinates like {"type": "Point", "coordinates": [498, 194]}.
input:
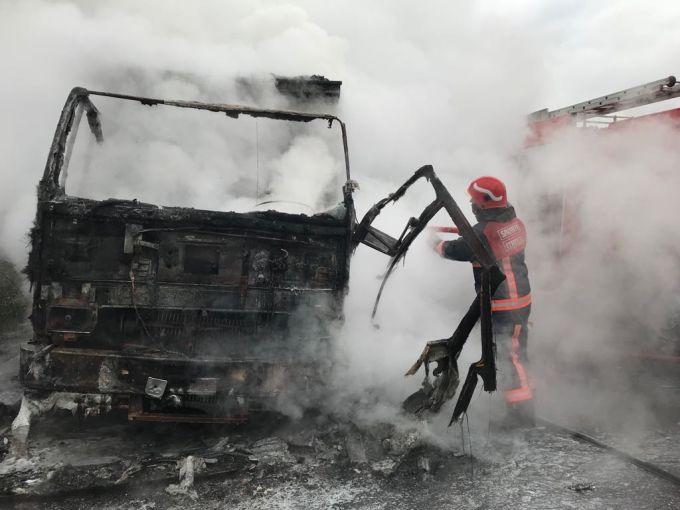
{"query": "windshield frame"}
{"type": "Point", "coordinates": [78, 101]}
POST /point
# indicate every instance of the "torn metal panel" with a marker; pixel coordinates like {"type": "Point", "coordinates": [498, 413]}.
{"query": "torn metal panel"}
{"type": "Point", "coordinates": [485, 368]}
{"type": "Point", "coordinates": [380, 241]}
{"type": "Point", "coordinates": [445, 352]}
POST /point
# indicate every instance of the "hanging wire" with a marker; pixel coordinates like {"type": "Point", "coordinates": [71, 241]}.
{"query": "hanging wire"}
{"type": "Point", "coordinates": [257, 162]}
{"type": "Point", "coordinates": [472, 459]}
{"type": "Point", "coordinates": [134, 305]}
{"type": "Point", "coordinates": [488, 431]}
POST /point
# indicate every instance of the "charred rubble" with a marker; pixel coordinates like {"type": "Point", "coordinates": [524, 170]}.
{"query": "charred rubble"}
{"type": "Point", "coordinates": [65, 463]}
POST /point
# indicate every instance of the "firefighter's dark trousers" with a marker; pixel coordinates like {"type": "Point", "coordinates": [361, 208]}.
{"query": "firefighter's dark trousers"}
{"type": "Point", "coordinates": [511, 335]}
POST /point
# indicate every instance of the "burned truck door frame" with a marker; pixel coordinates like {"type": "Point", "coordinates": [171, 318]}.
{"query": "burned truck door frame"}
{"type": "Point", "coordinates": [445, 351]}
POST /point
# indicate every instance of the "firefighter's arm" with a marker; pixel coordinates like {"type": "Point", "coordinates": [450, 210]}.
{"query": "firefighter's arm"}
{"type": "Point", "coordinates": [454, 250]}
{"type": "Point", "coordinates": [435, 241]}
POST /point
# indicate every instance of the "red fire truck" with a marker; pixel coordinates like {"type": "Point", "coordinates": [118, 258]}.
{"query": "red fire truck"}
{"type": "Point", "coordinates": [561, 208]}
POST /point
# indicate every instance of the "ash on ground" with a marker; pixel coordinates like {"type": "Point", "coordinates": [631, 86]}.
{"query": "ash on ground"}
{"type": "Point", "coordinates": [315, 462]}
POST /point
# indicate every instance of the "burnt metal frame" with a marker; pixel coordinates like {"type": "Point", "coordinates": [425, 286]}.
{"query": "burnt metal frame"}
{"type": "Point", "coordinates": [50, 189]}
{"type": "Point", "coordinates": [80, 97]}
{"type": "Point", "coordinates": [52, 194]}
{"type": "Point", "coordinates": [491, 278]}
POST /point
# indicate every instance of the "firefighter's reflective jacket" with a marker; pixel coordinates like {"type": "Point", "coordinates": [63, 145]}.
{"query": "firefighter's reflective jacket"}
{"type": "Point", "coordinates": [504, 235]}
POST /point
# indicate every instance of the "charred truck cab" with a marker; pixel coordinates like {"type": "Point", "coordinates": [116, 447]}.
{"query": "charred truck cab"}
{"type": "Point", "coordinates": [195, 315]}
{"type": "Point", "coordinates": [174, 313]}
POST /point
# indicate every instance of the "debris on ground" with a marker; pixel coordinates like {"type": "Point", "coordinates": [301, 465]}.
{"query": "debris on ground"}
{"type": "Point", "coordinates": [250, 469]}
{"type": "Point", "coordinates": [355, 449]}
{"type": "Point", "coordinates": [271, 451]}
{"type": "Point", "coordinates": [188, 467]}
{"type": "Point", "coordinates": [581, 487]}
{"type": "Point", "coordinates": [304, 438]}
{"type": "Point", "coordinates": [424, 463]}
{"type": "Point", "coordinates": [222, 445]}
{"type": "Point", "coordinates": [402, 442]}
{"type": "Point", "coordinates": [385, 467]}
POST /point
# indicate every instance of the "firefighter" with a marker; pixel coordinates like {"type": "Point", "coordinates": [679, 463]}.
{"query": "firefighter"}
{"type": "Point", "coordinates": [504, 236]}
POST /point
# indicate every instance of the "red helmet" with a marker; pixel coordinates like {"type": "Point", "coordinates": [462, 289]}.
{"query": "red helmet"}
{"type": "Point", "coordinates": [488, 192]}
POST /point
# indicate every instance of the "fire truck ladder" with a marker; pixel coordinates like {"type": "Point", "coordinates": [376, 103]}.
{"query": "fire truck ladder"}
{"type": "Point", "coordinates": [652, 92]}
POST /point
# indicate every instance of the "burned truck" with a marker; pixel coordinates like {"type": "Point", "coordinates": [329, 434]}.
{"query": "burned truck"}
{"type": "Point", "coordinates": [194, 315]}
{"type": "Point", "coordinates": [176, 313]}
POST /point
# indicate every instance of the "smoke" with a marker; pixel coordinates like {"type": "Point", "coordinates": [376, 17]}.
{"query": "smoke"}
{"type": "Point", "coordinates": [621, 263]}
{"type": "Point", "coordinates": [606, 278]}
{"type": "Point", "coordinates": [173, 156]}
{"type": "Point", "coordinates": [449, 85]}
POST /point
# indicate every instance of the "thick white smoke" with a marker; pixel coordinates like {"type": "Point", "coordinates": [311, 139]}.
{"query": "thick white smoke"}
{"type": "Point", "coordinates": [448, 83]}
{"type": "Point", "coordinates": [607, 284]}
